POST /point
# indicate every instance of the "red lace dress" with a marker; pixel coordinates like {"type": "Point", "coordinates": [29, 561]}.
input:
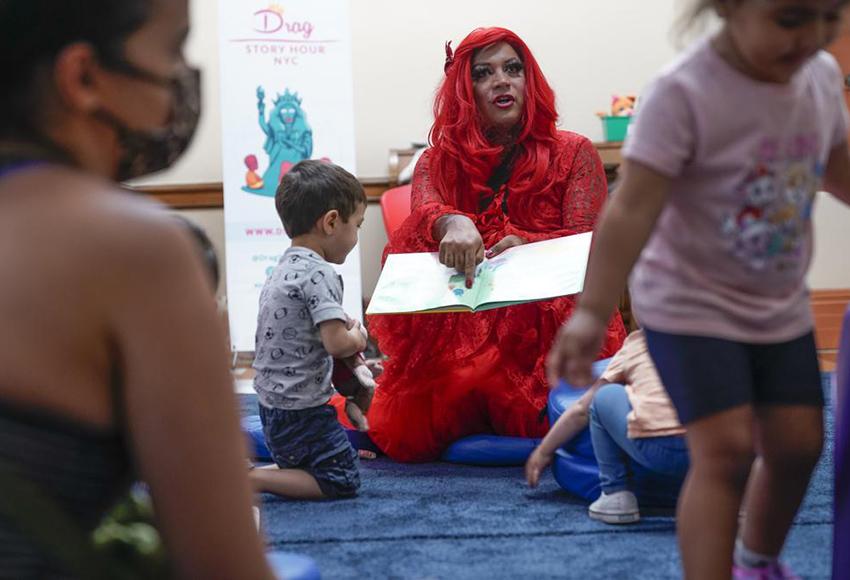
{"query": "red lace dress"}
{"type": "Point", "coordinates": [453, 375]}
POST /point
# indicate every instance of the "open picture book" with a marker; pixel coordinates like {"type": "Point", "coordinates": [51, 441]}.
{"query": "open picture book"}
{"type": "Point", "coordinates": [418, 283]}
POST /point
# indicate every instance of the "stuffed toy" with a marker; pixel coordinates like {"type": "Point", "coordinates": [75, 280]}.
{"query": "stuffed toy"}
{"type": "Point", "coordinates": [353, 379]}
{"type": "Point", "coordinates": [621, 106]}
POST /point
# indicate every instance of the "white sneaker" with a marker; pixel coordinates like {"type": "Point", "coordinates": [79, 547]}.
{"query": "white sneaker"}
{"type": "Point", "coordinates": [621, 507]}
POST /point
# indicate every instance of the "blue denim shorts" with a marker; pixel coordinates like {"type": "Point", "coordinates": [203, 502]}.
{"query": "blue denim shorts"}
{"type": "Point", "coordinates": [705, 375]}
{"type": "Point", "coordinates": [314, 441]}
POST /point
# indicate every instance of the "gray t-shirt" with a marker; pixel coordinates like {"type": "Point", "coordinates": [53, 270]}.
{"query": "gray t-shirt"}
{"type": "Point", "coordinates": [293, 367]}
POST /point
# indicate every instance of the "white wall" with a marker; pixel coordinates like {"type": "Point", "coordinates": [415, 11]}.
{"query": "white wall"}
{"type": "Point", "coordinates": [831, 264]}
{"type": "Point", "coordinates": [373, 238]}
{"type": "Point", "coordinates": [589, 50]}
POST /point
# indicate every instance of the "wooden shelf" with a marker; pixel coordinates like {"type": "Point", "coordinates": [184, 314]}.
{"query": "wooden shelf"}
{"type": "Point", "coordinates": [194, 196]}
{"type": "Point", "coordinates": [211, 196]}
{"type": "Point", "coordinates": [609, 151]}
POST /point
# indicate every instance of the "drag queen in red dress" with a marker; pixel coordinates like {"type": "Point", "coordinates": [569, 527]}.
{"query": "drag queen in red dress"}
{"type": "Point", "coordinates": [497, 174]}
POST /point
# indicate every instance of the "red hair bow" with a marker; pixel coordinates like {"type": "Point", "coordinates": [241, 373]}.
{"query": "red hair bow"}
{"type": "Point", "coordinates": [449, 57]}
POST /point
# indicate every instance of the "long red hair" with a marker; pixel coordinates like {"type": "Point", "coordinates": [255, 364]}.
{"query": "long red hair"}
{"type": "Point", "coordinates": [462, 159]}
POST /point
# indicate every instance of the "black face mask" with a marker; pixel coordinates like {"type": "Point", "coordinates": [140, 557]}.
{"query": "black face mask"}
{"type": "Point", "coordinates": [144, 152]}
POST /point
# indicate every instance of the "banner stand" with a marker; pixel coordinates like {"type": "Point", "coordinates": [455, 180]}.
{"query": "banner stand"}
{"type": "Point", "coordinates": [286, 95]}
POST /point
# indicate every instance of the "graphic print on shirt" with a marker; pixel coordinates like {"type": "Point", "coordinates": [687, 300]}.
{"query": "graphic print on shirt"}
{"type": "Point", "coordinates": [293, 368]}
{"type": "Point", "coordinates": [768, 228]}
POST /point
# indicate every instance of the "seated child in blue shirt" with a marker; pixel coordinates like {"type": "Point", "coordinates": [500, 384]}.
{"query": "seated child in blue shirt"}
{"type": "Point", "coordinates": [301, 328]}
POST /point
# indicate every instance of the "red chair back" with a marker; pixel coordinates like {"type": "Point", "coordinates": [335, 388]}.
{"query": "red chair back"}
{"type": "Point", "coordinates": [395, 207]}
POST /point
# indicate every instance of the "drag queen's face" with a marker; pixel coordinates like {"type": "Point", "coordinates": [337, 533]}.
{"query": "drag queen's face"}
{"type": "Point", "coordinates": [498, 80]}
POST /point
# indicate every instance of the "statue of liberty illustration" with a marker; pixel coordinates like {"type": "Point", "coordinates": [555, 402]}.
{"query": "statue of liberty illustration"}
{"type": "Point", "coordinates": [289, 140]}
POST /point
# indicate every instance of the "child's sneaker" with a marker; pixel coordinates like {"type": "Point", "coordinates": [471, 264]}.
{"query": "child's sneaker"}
{"type": "Point", "coordinates": [620, 507]}
{"type": "Point", "coordinates": [774, 571]}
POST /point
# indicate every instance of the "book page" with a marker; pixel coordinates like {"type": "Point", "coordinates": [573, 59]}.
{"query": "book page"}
{"type": "Point", "coordinates": [536, 271]}
{"type": "Point", "coordinates": [418, 282]}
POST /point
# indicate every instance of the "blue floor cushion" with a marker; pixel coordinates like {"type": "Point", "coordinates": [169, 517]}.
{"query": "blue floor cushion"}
{"type": "Point", "coordinates": [253, 429]}
{"type": "Point", "coordinates": [490, 450]}
{"type": "Point", "coordinates": [293, 566]}
{"type": "Point", "coordinates": [503, 450]}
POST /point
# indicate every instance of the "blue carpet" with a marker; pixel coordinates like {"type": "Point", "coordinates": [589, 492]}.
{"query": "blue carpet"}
{"type": "Point", "coordinates": [442, 520]}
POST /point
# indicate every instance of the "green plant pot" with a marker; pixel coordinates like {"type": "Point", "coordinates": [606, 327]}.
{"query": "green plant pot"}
{"type": "Point", "coordinates": [615, 128]}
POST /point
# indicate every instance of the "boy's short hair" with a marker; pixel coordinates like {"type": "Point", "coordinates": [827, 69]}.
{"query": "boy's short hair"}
{"type": "Point", "coordinates": [311, 189]}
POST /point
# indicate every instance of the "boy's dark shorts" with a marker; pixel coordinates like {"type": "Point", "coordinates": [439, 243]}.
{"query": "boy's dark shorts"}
{"type": "Point", "coordinates": [313, 440]}
{"type": "Point", "coordinates": [706, 375]}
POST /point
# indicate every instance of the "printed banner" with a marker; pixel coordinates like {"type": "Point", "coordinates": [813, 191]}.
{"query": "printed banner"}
{"type": "Point", "coordinates": [286, 95]}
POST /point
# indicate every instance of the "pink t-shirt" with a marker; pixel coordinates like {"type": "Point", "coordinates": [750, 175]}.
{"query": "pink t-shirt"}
{"type": "Point", "coordinates": [729, 253]}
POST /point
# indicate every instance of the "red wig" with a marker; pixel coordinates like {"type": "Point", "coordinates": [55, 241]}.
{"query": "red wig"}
{"type": "Point", "coordinates": [462, 159]}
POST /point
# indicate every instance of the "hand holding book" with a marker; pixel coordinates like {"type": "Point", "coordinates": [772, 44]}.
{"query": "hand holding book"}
{"type": "Point", "coordinates": [505, 243]}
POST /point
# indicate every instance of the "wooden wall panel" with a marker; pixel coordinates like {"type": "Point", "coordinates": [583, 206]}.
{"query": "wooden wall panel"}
{"type": "Point", "coordinates": [210, 195]}
{"type": "Point", "coordinates": [194, 196]}
{"type": "Point", "coordinates": [828, 307]}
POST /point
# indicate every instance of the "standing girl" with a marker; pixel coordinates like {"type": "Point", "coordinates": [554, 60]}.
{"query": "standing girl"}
{"type": "Point", "coordinates": [721, 169]}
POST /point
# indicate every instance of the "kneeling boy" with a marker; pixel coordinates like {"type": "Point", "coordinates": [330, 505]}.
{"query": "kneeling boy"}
{"type": "Point", "coordinates": [301, 328]}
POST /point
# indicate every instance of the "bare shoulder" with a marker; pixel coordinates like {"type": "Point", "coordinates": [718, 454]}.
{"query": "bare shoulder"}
{"type": "Point", "coordinates": [104, 225]}
{"type": "Point", "coordinates": [131, 219]}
